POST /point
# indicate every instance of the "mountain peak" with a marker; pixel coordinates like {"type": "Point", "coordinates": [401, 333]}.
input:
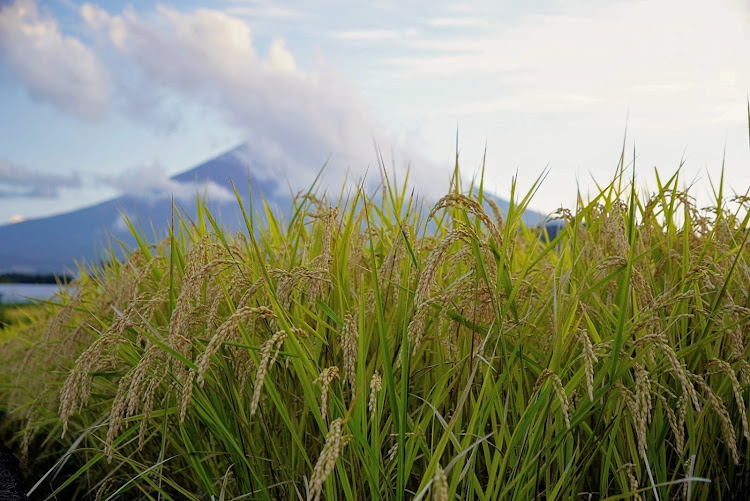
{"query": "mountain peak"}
{"type": "Point", "coordinates": [56, 243]}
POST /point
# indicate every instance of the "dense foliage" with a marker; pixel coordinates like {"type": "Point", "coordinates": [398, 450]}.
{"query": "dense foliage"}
{"type": "Point", "coordinates": [370, 349]}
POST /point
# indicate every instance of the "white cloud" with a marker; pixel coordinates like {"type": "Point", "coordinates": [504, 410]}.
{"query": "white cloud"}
{"type": "Point", "coordinates": [153, 183]}
{"type": "Point", "coordinates": [294, 118]}
{"type": "Point", "coordinates": [55, 68]}
{"type": "Point", "coordinates": [279, 58]}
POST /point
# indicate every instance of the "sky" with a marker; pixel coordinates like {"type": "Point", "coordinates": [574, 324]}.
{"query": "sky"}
{"type": "Point", "coordinates": [100, 99]}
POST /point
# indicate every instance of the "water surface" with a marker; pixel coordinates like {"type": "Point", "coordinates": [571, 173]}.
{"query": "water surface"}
{"type": "Point", "coordinates": [23, 293]}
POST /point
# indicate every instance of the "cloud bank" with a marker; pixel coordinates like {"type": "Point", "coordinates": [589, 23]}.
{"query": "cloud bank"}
{"type": "Point", "coordinates": [152, 183]}
{"type": "Point", "coordinates": [19, 182]}
{"type": "Point", "coordinates": [672, 58]}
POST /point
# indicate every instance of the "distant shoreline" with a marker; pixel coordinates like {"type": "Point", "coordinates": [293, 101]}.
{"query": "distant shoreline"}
{"type": "Point", "coordinates": [25, 278]}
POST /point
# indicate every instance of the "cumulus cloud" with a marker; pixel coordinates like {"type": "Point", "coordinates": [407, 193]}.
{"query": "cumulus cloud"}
{"type": "Point", "coordinates": [54, 67]}
{"type": "Point", "coordinates": [152, 183]}
{"type": "Point", "coordinates": [20, 182]}
{"type": "Point", "coordinates": [294, 119]}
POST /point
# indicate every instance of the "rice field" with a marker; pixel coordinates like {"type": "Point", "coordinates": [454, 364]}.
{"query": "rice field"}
{"type": "Point", "coordinates": [374, 347]}
{"type": "Point", "coordinates": [18, 313]}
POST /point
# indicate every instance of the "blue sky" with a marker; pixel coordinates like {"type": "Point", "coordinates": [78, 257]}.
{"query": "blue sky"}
{"type": "Point", "coordinates": [93, 94]}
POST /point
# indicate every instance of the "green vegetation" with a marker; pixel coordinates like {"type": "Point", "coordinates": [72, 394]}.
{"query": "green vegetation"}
{"type": "Point", "coordinates": [359, 351]}
{"type": "Point", "coordinates": [17, 313]}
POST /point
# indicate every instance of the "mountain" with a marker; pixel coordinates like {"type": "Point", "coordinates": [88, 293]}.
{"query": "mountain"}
{"type": "Point", "coordinates": [55, 244]}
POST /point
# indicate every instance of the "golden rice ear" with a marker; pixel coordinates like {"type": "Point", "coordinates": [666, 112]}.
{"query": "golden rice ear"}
{"type": "Point", "coordinates": [557, 385]}
{"type": "Point", "coordinates": [589, 359]}
{"type": "Point", "coordinates": [473, 207]}
{"type": "Point", "coordinates": [643, 391]}
{"type": "Point", "coordinates": [660, 342]}
{"type": "Point", "coordinates": [440, 485]}
{"type": "Point", "coordinates": [266, 362]}
{"type": "Point", "coordinates": [436, 259]}
{"type": "Point", "coordinates": [77, 387]}
{"type": "Point", "coordinates": [677, 429]}
{"type": "Point", "coordinates": [116, 414]}
{"type": "Point", "coordinates": [630, 471]}
{"type": "Point", "coordinates": [349, 347]}
{"type": "Point", "coordinates": [726, 423]}
{"type": "Point", "coordinates": [227, 329]}
{"type": "Point", "coordinates": [376, 384]}
{"type": "Point", "coordinates": [562, 397]}
{"type": "Point", "coordinates": [328, 218]}
{"type": "Point", "coordinates": [327, 376]}
{"type": "Point", "coordinates": [725, 368]}
{"type": "Point", "coordinates": [334, 445]}
{"type": "Point", "coordinates": [639, 423]}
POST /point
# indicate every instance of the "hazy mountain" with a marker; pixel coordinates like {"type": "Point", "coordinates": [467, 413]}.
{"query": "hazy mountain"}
{"type": "Point", "coordinates": [56, 243]}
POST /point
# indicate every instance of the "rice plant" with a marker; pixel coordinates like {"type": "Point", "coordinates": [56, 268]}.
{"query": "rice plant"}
{"type": "Point", "coordinates": [372, 347]}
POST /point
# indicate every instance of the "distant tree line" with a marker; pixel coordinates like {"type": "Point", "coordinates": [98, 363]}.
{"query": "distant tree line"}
{"type": "Point", "coordinates": [24, 278]}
